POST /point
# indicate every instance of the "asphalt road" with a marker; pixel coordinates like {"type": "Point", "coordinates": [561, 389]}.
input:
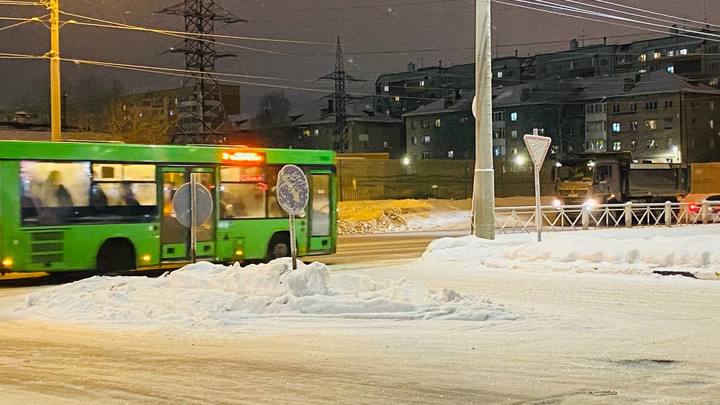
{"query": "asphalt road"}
{"type": "Point", "coordinates": [383, 247]}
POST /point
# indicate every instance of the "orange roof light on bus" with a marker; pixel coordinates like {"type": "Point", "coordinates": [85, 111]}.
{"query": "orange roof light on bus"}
{"type": "Point", "coordinates": [247, 157]}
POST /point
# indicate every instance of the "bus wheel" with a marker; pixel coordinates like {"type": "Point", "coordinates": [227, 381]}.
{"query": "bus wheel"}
{"type": "Point", "coordinates": [116, 256]}
{"type": "Point", "coordinates": [279, 246]}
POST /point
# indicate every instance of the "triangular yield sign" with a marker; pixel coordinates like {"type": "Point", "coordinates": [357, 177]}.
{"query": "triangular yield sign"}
{"type": "Point", "coordinates": [538, 147]}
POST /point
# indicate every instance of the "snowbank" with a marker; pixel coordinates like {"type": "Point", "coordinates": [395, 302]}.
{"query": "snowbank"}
{"type": "Point", "coordinates": [636, 251]}
{"type": "Point", "coordinates": [207, 295]}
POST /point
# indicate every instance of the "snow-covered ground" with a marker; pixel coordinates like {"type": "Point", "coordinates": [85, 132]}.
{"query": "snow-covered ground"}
{"type": "Point", "coordinates": [577, 319]}
{"type": "Point", "coordinates": [207, 296]}
{"type": "Point", "coordinates": [691, 249]}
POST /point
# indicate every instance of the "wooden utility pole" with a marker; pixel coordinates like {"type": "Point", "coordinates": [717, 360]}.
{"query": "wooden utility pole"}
{"type": "Point", "coordinates": [54, 55]}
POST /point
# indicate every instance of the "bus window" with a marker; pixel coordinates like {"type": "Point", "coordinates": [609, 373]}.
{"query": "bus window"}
{"type": "Point", "coordinates": [320, 221]}
{"type": "Point", "coordinates": [242, 200]}
{"type": "Point", "coordinates": [124, 190]}
{"type": "Point", "coordinates": [242, 194]}
{"type": "Point", "coordinates": [53, 193]}
{"type": "Point", "coordinates": [273, 208]}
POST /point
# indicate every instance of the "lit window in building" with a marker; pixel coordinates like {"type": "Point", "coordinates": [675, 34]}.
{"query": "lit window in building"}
{"type": "Point", "coordinates": [671, 53]}
{"type": "Point", "coordinates": [451, 154]}
{"type": "Point", "coordinates": [438, 123]}
{"type": "Point", "coordinates": [651, 144]}
{"type": "Point", "coordinates": [499, 75]}
{"type": "Point", "coordinates": [426, 139]}
{"type": "Point", "coordinates": [426, 155]}
{"type": "Point", "coordinates": [712, 124]}
{"type": "Point", "coordinates": [651, 124]}
{"type": "Point", "coordinates": [513, 116]}
{"type": "Point", "coordinates": [397, 99]}
{"type": "Point", "coordinates": [616, 127]}
{"type": "Point", "coordinates": [617, 146]}
{"type": "Point", "coordinates": [386, 145]}
{"type": "Point", "coordinates": [684, 51]}
{"type": "Point", "coordinates": [386, 89]}
{"type": "Point", "coordinates": [633, 145]}
{"type": "Point", "coordinates": [514, 134]}
{"type": "Point", "coordinates": [306, 132]}
{"type": "Point", "coordinates": [671, 69]}
{"type": "Point", "coordinates": [643, 58]}
{"type": "Point", "coordinates": [657, 55]}
{"type": "Point", "coordinates": [514, 151]}
{"type": "Point", "coordinates": [634, 126]}
{"type": "Point", "coordinates": [317, 132]}
{"type": "Point", "coordinates": [422, 83]}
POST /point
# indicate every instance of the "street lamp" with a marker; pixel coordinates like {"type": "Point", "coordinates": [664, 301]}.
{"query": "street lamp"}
{"type": "Point", "coordinates": [519, 160]}
{"type": "Point", "coordinates": [406, 161]}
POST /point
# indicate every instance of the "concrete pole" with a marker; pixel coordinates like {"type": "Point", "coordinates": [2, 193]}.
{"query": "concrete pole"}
{"type": "Point", "coordinates": [484, 181]}
{"type": "Point", "coordinates": [54, 55]}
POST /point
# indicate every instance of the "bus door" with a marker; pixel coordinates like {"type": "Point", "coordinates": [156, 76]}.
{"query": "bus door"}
{"type": "Point", "coordinates": [175, 238]}
{"type": "Point", "coordinates": [322, 216]}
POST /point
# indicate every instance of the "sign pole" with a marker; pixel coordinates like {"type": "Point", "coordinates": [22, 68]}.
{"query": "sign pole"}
{"type": "Point", "coordinates": [193, 217]}
{"type": "Point", "coordinates": [293, 242]}
{"type": "Point", "coordinates": [538, 147]}
{"type": "Point", "coordinates": [538, 208]}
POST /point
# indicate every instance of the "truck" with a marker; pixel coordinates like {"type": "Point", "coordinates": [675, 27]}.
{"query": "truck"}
{"type": "Point", "coordinates": [613, 178]}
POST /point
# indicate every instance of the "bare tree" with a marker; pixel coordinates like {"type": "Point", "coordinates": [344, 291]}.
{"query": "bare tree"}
{"type": "Point", "coordinates": [135, 127]}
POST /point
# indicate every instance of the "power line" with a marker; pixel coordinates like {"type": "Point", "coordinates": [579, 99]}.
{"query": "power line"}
{"type": "Point", "coordinates": [616, 17]}
{"type": "Point", "coordinates": [590, 19]}
{"type": "Point", "coordinates": [410, 3]}
{"type": "Point", "coordinates": [701, 23]}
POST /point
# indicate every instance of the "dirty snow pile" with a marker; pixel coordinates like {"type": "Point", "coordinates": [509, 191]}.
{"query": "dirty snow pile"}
{"type": "Point", "coordinates": [362, 217]}
{"type": "Point", "coordinates": [691, 250]}
{"type": "Point", "coordinates": [207, 295]}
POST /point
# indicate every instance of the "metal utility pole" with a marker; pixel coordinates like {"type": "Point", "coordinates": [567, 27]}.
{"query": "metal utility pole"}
{"type": "Point", "coordinates": [340, 99]}
{"type": "Point", "coordinates": [54, 55]}
{"type": "Point", "coordinates": [202, 115]}
{"type": "Point", "coordinates": [484, 182]}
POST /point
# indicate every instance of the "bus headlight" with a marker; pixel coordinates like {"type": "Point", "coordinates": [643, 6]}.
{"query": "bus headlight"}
{"type": "Point", "coordinates": [8, 262]}
{"type": "Point", "coordinates": [146, 258]}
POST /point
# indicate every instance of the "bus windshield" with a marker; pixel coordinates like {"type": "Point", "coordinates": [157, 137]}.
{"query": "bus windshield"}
{"type": "Point", "coordinates": [577, 173]}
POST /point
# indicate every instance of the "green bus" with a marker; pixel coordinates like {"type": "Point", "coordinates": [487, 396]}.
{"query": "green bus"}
{"type": "Point", "coordinates": [107, 207]}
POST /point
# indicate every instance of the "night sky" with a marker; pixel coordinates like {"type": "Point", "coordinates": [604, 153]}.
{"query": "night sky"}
{"type": "Point", "coordinates": [445, 27]}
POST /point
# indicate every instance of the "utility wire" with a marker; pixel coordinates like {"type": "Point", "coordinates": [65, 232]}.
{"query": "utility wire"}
{"type": "Point", "coordinates": [591, 19]}
{"type": "Point", "coordinates": [616, 17]}
{"type": "Point", "coordinates": [701, 23]}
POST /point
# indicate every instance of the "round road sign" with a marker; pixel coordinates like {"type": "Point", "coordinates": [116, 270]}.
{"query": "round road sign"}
{"type": "Point", "coordinates": [183, 208]}
{"type": "Point", "coordinates": [292, 190]}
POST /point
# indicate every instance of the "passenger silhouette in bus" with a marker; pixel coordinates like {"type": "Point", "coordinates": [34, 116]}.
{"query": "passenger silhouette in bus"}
{"type": "Point", "coordinates": [56, 200]}
{"type": "Point", "coordinates": [129, 196]}
{"type": "Point", "coordinates": [98, 198]}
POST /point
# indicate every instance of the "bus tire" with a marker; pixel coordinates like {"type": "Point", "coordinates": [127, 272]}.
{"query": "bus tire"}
{"type": "Point", "coordinates": [116, 256]}
{"type": "Point", "coordinates": [279, 246]}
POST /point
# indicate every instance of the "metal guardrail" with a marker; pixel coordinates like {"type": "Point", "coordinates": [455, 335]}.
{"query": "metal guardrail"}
{"type": "Point", "coordinates": [585, 217]}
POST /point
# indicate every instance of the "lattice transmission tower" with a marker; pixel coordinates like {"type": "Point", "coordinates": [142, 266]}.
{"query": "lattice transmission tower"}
{"type": "Point", "coordinates": [200, 117]}
{"type": "Point", "coordinates": [340, 99]}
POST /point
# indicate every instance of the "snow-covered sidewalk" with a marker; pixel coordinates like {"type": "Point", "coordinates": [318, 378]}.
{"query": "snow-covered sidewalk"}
{"type": "Point", "coordinates": [693, 249]}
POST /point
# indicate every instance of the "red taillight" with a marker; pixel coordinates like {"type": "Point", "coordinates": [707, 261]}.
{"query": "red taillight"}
{"type": "Point", "coordinates": [694, 207]}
